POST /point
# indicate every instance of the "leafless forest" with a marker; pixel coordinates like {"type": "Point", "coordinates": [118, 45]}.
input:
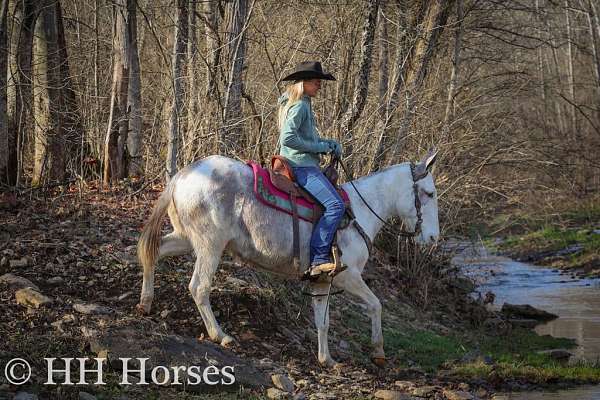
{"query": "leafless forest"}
{"type": "Point", "coordinates": [114, 90]}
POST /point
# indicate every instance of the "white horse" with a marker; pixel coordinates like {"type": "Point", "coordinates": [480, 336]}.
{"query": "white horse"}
{"type": "Point", "coordinates": [212, 208]}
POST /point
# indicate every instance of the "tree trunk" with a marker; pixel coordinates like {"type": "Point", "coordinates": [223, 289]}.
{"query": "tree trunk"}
{"type": "Point", "coordinates": [4, 173]}
{"type": "Point", "coordinates": [570, 76]}
{"type": "Point", "coordinates": [435, 20]}
{"type": "Point", "coordinates": [118, 124]}
{"type": "Point", "coordinates": [594, 27]}
{"type": "Point", "coordinates": [51, 139]}
{"type": "Point", "coordinates": [213, 50]}
{"type": "Point", "coordinates": [178, 76]}
{"type": "Point", "coordinates": [192, 97]}
{"type": "Point", "coordinates": [134, 96]}
{"type": "Point", "coordinates": [384, 58]}
{"type": "Point", "coordinates": [231, 134]}
{"type": "Point", "coordinates": [20, 96]}
{"type": "Point", "coordinates": [455, 65]}
{"type": "Point", "coordinates": [361, 87]}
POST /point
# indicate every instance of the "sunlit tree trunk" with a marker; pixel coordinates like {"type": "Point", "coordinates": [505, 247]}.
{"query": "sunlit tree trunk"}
{"type": "Point", "coordinates": [20, 95]}
{"type": "Point", "coordinates": [231, 134]}
{"type": "Point", "coordinates": [361, 87]}
{"type": "Point", "coordinates": [134, 96]}
{"type": "Point", "coordinates": [448, 114]}
{"type": "Point", "coordinates": [118, 123]}
{"type": "Point", "coordinates": [435, 20]}
{"type": "Point", "coordinates": [4, 49]}
{"type": "Point", "coordinates": [178, 77]}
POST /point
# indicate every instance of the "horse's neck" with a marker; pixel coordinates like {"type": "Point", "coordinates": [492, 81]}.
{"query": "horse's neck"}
{"type": "Point", "coordinates": [380, 192]}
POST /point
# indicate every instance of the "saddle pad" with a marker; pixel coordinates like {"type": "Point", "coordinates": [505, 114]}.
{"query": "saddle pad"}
{"type": "Point", "coordinates": [269, 195]}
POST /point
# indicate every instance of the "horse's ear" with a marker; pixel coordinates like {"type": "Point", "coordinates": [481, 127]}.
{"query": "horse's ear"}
{"type": "Point", "coordinates": [430, 158]}
{"type": "Point", "coordinates": [425, 164]}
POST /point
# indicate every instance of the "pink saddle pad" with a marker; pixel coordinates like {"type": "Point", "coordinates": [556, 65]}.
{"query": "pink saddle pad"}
{"type": "Point", "coordinates": [268, 194]}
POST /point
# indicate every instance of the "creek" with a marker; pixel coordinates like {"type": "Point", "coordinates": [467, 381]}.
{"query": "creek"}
{"type": "Point", "coordinates": [575, 300]}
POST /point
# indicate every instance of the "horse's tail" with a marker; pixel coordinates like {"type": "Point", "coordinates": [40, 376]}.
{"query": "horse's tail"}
{"type": "Point", "coordinates": [149, 242]}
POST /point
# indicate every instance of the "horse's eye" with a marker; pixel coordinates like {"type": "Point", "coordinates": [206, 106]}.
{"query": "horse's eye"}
{"type": "Point", "coordinates": [429, 194]}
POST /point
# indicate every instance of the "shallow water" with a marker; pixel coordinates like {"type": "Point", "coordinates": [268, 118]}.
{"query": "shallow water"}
{"type": "Point", "coordinates": [575, 301]}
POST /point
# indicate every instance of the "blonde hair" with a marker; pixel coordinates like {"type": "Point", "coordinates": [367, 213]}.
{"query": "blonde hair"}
{"type": "Point", "coordinates": [295, 93]}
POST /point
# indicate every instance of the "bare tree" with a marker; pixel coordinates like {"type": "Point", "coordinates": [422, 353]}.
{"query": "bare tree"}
{"type": "Point", "coordinates": [118, 124]}
{"type": "Point", "coordinates": [237, 20]}
{"type": "Point", "coordinates": [19, 101]}
{"type": "Point", "coordinates": [134, 95]}
{"type": "Point", "coordinates": [458, 32]}
{"type": "Point", "coordinates": [362, 79]}
{"type": "Point", "coordinates": [384, 59]}
{"type": "Point", "coordinates": [435, 20]}
{"type": "Point", "coordinates": [178, 76]}
{"type": "Point", "coordinates": [4, 50]}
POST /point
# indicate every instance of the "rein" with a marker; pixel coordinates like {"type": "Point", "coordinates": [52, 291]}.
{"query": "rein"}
{"type": "Point", "coordinates": [389, 227]}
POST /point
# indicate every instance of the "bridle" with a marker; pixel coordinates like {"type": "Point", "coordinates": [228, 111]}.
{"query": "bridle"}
{"type": "Point", "coordinates": [389, 227]}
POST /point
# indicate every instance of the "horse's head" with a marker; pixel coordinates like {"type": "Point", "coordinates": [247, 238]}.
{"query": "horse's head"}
{"type": "Point", "coordinates": [423, 201]}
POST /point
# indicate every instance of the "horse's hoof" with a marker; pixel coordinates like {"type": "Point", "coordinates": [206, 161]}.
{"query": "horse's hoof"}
{"type": "Point", "coordinates": [227, 341]}
{"type": "Point", "coordinates": [142, 310]}
{"type": "Point", "coordinates": [381, 362]}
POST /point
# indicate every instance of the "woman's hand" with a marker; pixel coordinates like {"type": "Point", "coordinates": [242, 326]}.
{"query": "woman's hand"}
{"type": "Point", "coordinates": [335, 146]}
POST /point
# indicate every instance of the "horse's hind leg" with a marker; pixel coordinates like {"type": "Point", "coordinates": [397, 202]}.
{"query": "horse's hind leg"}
{"type": "Point", "coordinates": [207, 262]}
{"type": "Point", "coordinates": [170, 245]}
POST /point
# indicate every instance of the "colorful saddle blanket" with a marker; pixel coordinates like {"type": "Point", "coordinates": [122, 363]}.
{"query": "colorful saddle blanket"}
{"type": "Point", "coordinates": [269, 195]}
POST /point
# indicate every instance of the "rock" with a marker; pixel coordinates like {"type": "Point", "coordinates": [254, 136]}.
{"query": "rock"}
{"type": "Point", "coordinates": [276, 394]}
{"type": "Point", "coordinates": [500, 397]}
{"type": "Point", "coordinates": [20, 263]}
{"type": "Point", "coordinates": [466, 285]}
{"type": "Point", "coordinates": [524, 323]}
{"type": "Point", "coordinates": [557, 354]}
{"type": "Point", "coordinates": [343, 345]}
{"type": "Point", "coordinates": [527, 311]}
{"type": "Point", "coordinates": [464, 386]}
{"type": "Point", "coordinates": [482, 393]}
{"type": "Point", "coordinates": [405, 385]}
{"type": "Point", "coordinates": [235, 281]}
{"type": "Point", "coordinates": [424, 391]}
{"type": "Point", "coordinates": [496, 326]}
{"type": "Point", "coordinates": [25, 396]}
{"type": "Point", "coordinates": [299, 396]}
{"type": "Point", "coordinates": [165, 313]}
{"type": "Point", "coordinates": [30, 297]}
{"type": "Point", "coordinates": [3, 262]}
{"type": "Point", "coordinates": [17, 281]}
{"type": "Point", "coordinates": [283, 382]}
{"type": "Point", "coordinates": [86, 396]}
{"type": "Point", "coordinates": [148, 341]}
{"type": "Point", "coordinates": [457, 395]}
{"type": "Point", "coordinates": [55, 280]}
{"type": "Point", "coordinates": [91, 308]}
{"type": "Point", "coordinates": [391, 395]}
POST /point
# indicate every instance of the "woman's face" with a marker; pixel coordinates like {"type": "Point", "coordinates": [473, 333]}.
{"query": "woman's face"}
{"type": "Point", "coordinates": [311, 87]}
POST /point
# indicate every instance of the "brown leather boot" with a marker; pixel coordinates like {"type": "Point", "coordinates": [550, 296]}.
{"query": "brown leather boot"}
{"type": "Point", "coordinates": [318, 269]}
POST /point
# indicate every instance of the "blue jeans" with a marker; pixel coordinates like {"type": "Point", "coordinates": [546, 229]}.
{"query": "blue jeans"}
{"type": "Point", "coordinates": [315, 183]}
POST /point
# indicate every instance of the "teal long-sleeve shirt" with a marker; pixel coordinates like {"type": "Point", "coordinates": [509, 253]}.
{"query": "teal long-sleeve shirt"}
{"type": "Point", "coordinates": [299, 140]}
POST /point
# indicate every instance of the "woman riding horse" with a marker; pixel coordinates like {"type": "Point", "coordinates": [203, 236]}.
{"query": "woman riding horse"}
{"type": "Point", "coordinates": [302, 146]}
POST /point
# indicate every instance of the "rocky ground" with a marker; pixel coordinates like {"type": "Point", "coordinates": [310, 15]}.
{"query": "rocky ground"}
{"type": "Point", "coordinates": [69, 283]}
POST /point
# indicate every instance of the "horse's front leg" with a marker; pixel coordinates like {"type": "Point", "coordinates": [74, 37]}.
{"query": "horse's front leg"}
{"type": "Point", "coordinates": [321, 312]}
{"type": "Point", "coordinates": [351, 281]}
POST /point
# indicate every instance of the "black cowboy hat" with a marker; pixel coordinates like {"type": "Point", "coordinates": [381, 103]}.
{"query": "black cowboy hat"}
{"type": "Point", "coordinates": [308, 70]}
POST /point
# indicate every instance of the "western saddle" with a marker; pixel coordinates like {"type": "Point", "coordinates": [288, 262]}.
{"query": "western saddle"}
{"type": "Point", "coordinates": [283, 178]}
